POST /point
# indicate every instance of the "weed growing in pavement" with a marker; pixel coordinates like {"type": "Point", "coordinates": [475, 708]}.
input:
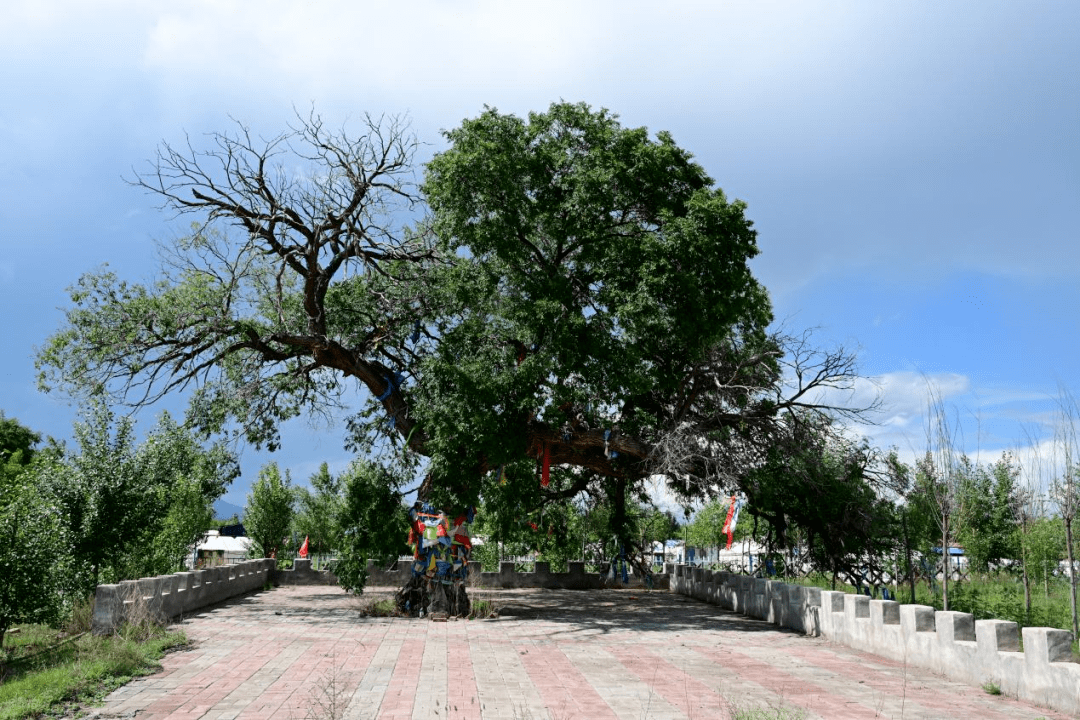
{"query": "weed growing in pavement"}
{"type": "Point", "coordinates": [329, 697]}
{"type": "Point", "coordinates": [779, 711]}
{"type": "Point", "coordinates": [379, 607]}
{"type": "Point", "coordinates": [991, 688]}
{"type": "Point", "coordinates": [481, 609]}
{"type": "Point", "coordinates": [768, 713]}
{"type": "Point", "coordinates": [482, 603]}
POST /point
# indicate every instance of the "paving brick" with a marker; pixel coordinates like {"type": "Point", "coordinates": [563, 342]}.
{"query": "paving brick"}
{"type": "Point", "coordinates": [305, 653]}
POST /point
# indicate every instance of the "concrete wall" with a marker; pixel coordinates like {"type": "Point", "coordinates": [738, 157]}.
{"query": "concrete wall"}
{"type": "Point", "coordinates": [168, 596]}
{"type": "Point", "coordinates": [952, 644]}
{"type": "Point", "coordinates": [575, 579]}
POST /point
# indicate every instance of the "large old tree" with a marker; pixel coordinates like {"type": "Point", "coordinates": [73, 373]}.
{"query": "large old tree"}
{"type": "Point", "coordinates": [557, 290]}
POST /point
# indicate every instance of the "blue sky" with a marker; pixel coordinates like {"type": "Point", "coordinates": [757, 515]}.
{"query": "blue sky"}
{"type": "Point", "coordinates": [913, 169]}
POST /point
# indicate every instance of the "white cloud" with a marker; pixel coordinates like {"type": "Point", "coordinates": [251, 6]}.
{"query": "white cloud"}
{"type": "Point", "coordinates": [664, 499]}
{"type": "Point", "coordinates": [872, 139]}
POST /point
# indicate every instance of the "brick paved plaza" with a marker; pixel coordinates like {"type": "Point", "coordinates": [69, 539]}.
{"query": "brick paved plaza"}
{"type": "Point", "coordinates": [305, 652]}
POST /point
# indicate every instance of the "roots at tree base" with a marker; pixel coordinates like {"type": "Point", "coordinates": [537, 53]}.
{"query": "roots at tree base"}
{"type": "Point", "coordinates": [425, 597]}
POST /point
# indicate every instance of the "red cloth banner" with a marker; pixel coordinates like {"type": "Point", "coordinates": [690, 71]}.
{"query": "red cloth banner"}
{"type": "Point", "coordinates": [304, 548]}
{"type": "Point", "coordinates": [727, 523]}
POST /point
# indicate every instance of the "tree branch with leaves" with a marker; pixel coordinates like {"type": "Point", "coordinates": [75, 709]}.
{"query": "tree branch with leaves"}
{"type": "Point", "coordinates": [557, 289]}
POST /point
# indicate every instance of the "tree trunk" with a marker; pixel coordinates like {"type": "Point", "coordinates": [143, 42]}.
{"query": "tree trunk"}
{"type": "Point", "coordinates": [440, 571]}
{"type": "Point", "coordinates": [620, 522]}
{"type": "Point", "coordinates": [424, 597]}
{"type": "Point", "coordinates": [1026, 577]}
{"type": "Point", "coordinates": [907, 552]}
{"type": "Point", "coordinates": [945, 564]}
{"type": "Point", "coordinates": [1072, 574]}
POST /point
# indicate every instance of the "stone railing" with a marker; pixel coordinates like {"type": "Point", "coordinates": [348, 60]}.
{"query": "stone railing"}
{"type": "Point", "coordinates": [169, 596]}
{"type": "Point", "coordinates": [575, 579]}
{"type": "Point", "coordinates": [952, 644]}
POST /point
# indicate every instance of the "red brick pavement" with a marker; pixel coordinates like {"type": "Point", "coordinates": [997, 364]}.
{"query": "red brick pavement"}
{"type": "Point", "coordinates": [307, 653]}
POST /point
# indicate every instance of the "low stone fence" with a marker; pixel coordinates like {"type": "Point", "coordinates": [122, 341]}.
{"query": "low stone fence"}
{"type": "Point", "coordinates": [575, 579]}
{"type": "Point", "coordinates": [168, 596]}
{"type": "Point", "coordinates": [952, 644]}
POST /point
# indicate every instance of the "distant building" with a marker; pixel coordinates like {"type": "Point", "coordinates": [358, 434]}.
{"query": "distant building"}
{"type": "Point", "coordinates": [218, 549]}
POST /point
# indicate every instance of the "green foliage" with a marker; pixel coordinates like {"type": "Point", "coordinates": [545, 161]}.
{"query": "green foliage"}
{"type": "Point", "coordinates": [102, 497]}
{"type": "Point", "coordinates": [130, 510]}
{"type": "Point", "coordinates": [30, 552]}
{"type": "Point", "coordinates": [268, 513]}
{"type": "Point", "coordinates": [380, 607]}
{"type": "Point", "coordinates": [592, 263]}
{"type": "Point", "coordinates": [172, 451]}
{"type": "Point", "coordinates": [816, 489]}
{"type": "Point", "coordinates": [515, 516]}
{"type": "Point", "coordinates": [1045, 549]}
{"type": "Point", "coordinates": [579, 290]}
{"type": "Point", "coordinates": [780, 712]}
{"type": "Point", "coordinates": [185, 478]}
{"type": "Point", "coordinates": [17, 450]}
{"type": "Point", "coordinates": [318, 510]}
{"type": "Point", "coordinates": [188, 515]}
{"type": "Point", "coordinates": [706, 529]}
{"type": "Point", "coordinates": [17, 442]}
{"type": "Point", "coordinates": [372, 519]}
{"type": "Point", "coordinates": [918, 510]}
{"type": "Point", "coordinates": [654, 525]}
{"type": "Point", "coordinates": [988, 528]}
{"type": "Point", "coordinates": [107, 511]}
{"type": "Point", "coordinates": [560, 532]}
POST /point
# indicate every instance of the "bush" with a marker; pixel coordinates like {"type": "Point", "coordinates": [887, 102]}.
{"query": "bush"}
{"type": "Point", "coordinates": [29, 554]}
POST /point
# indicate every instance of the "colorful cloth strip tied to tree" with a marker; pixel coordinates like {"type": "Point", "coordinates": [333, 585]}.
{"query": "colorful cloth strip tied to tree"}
{"type": "Point", "coordinates": [441, 548]}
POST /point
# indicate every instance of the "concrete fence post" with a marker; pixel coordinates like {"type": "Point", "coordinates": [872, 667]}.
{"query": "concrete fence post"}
{"type": "Point", "coordinates": [951, 643]}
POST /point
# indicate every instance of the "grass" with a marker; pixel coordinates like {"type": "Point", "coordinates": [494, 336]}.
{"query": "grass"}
{"type": "Point", "coordinates": [46, 672]}
{"type": "Point", "coordinates": [778, 711]}
{"type": "Point", "coordinates": [991, 688]}
{"type": "Point", "coordinates": [483, 608]}
{"type": "Point", "coordinates": [772, 713]}
{"type": "Point", "coordinates": [378, 607]}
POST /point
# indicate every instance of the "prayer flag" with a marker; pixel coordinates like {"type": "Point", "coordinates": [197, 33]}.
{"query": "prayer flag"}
{"type": "Point", "coordinates": [728, 529]}
{"type": "Point", "coordinates": [732, 519]}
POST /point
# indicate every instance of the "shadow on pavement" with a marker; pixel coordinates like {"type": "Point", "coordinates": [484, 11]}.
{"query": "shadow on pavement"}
{"type": "Point", "coordinates": [583, 612]}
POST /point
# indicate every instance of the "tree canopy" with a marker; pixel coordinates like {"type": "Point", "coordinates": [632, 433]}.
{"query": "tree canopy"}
{"type": "Point", "coordinates": [558, 291]}
{"type": "Point", "coordinates": [269, 511]}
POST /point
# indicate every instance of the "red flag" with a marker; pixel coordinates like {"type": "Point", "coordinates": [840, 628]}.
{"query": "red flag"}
{"type": "Point", "coordinates": [303, 548]}
{"type": "Point", "coordinates": [727, 523]}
